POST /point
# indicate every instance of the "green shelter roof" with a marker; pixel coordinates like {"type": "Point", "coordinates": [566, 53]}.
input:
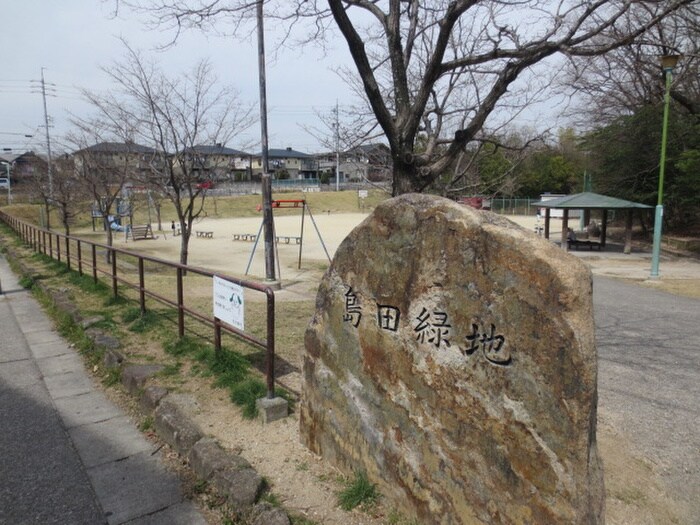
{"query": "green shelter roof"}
{"type": "Point", "coordinates": [587, 200]}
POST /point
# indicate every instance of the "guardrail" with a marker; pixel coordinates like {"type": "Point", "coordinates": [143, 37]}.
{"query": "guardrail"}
{"type": "Point", "coordinates": [70, 250]}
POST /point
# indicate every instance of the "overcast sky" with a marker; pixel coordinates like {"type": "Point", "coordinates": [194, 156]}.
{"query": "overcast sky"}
{"type": "Point", "coordinates": [71, 39]}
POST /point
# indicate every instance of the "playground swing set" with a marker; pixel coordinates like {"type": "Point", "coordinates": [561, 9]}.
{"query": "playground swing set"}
{"type": "Point", "coordinates": [289, 203]}
{"type": "Point", "coordinates": [123, 210]}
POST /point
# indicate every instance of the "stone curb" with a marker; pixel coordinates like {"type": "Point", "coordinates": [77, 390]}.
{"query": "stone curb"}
{"type": "Point", "coordinates": [231, 475]}
{"type": "Point", "coordinates": [134, 377]}
{"type": "Point", "coordinates": [174, 427]}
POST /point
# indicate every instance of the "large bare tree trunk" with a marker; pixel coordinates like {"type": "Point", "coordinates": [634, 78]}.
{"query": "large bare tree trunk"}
{"type": "Point", "coordinates": [404, 179]}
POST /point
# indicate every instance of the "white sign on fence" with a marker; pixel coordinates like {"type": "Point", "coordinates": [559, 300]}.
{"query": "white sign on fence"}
{"type": "Point", "coordinates": [228, 302]}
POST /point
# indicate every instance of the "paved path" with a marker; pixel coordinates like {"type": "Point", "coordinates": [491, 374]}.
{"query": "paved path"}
{"type": "Point", "coordinates": [649, 377]}
{"type": "Point", "coordinates": [68, 455]}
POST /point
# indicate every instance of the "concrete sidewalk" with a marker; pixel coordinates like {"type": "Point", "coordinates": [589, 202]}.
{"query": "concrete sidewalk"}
{"type": "Point", "coordinates": [69, 455]}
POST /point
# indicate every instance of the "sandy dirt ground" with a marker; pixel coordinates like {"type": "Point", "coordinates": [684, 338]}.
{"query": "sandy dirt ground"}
{"type": "Point", "coordinates": [325, 232]}
{"type": "Point", "coordinates": [307, 486]}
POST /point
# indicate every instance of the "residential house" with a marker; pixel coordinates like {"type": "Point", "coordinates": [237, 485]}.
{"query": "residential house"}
{"type": "Point", "coordinates": [371, 162]}
{"type": "Point", "coordinates": [126, 158]}
{"type": "Point", "coordinates": [218, 163]}
{"type": "Point", "coordinates": [287, 164]}
{"type": "Point", "coordinates": [25, 167]}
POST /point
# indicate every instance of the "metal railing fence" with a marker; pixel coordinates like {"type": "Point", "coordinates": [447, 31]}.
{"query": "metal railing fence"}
{"type": "Point", "coordinates": [72, 250]}
{"type": "Point", "coordinates": [513, 206]}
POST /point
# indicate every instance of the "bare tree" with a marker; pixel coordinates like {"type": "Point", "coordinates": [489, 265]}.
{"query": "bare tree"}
{"type": "Point", "coordinates": [41, 191]}
{"type": "Point", "coordinates": [68, 191]}
{"type": "Point", "coordinates": [442, 68]}
{"type": "Point", "coordinates": [491, 166]}
{"type": "Point", "coordinates": [629, 77]}
{"type": "Point", "coordinates": [102, 168]}
{"type": "Point", "coordinates": [173, 116]}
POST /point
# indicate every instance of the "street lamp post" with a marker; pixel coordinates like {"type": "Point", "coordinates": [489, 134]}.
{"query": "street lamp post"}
{"type": "Point", "coordinates": [668, 62]}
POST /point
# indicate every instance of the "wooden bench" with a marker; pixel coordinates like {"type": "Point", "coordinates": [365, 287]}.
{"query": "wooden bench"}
{"type": "Point", "coordinates": [140, 233]}
{"type": "Point", "coordinates": [575, 243]}
{"type": "Point", "coordinates": [244, 237]}
{"type": "Point", "coordinates": [280, 238]}
{"type": "Point", "coordinates": [288, 238]}
{"type": "Point", "coordinates": [206, 235]}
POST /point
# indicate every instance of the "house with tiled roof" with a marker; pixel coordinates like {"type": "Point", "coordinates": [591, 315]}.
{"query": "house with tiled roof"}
{"type": "Point", "coordinates": [26, 167]}
{"type": "Point", "coordinates": [122, 156]}
{"type": "Point", "coordinates": [287, 163]}
{"type": "Point", "coordinates": [369, 162]}
{"type": "Point", "coordinates": [218, 163]}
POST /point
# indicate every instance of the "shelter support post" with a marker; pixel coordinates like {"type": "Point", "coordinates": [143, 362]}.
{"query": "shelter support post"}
{"type": "Point", "coordinates": [565, 229]}
{"type": "Point", "coordinates": [628, 232]}
{"type": "Point", "coordinates": [547, 217]}
{"type": "Point", "coordinates": [604, 229]}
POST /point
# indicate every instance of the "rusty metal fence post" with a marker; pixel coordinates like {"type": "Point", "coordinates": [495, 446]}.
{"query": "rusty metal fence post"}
{"type": "Point", "coordinates": [142, 287]}
{"type": "Point", "coordinates": [217, 335]}
{"type": "Point", "coordinates": [113, 257]}
{"type": "Point", "coordinates": [94, 263]}
{"type": "Point", "coordinates": [68, 252]}
{"type": "Point", "coordinates": [270, 343]}
{"type": "Point", "coordinates": [180, 305]}
{"type": "Point", "coordinates": [80, 259]}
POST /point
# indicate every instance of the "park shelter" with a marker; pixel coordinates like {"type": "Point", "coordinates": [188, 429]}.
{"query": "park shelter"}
{"type": "Point", "coordinates": [588, 201]}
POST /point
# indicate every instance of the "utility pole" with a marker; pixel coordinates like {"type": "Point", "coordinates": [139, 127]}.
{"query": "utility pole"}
{"type": "Point", "coordinates": [337, 147]}
{"type": "Point", "coordinates": [268, 233]}
{"type": "Point", "coordinates": [48, 139]}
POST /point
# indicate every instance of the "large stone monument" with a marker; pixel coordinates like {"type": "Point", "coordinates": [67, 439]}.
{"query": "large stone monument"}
{"type": "Point", "coordinates": [452, 358]}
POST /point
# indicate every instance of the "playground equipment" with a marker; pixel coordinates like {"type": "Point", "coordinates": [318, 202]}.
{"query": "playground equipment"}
{"type": "Point", "coordinates": [123, 207]}
{"type": "Point", "coordinates": [115, 226]}
{"type": "Point", "coordinates": [289, 203]}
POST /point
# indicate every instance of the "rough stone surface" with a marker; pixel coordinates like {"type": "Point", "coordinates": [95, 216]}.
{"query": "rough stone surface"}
{"type": "Point", "coordinates": [207, 457]}
{"type": "Point", "coordinates": [134, 377]}
{"type": "Point", "coordinates": [270, 410]}
{"type": "Point", "coordinates": [113, 359]}
{"type": "Point", "coordinates": [240, 486]}
{"type": "Point", "coordinates": [87, 323]}
{"type": "Point", "coordinates": [266, 514]}
{"type": "Point", "coordinates": [64, 303]}
{"type": "Point", "coordinates": [102, 339]}
{"type": "Point", "coordinates": [230, 474]}
{"type": "Point", "coordinates": [151, 397]}
{"type": "Point", "coordinates": [452, 358]}
{"type": "Point", "coordinates": [174, 426]}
